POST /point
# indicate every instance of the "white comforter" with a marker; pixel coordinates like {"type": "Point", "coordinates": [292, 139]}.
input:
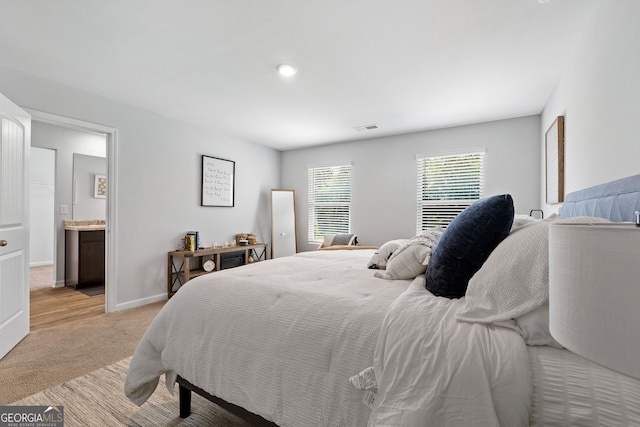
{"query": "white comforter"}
{"type": "Point", "coordinates": [435, 371]}
{"type": "Point", "coordinates": [279, 338]}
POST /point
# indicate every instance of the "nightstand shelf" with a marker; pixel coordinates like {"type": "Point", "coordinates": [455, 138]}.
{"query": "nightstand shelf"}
{"type": "Point", "coordinates": [185, 265]}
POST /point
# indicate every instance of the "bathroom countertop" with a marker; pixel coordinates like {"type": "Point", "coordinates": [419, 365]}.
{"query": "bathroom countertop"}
{"type": "Point", "coordinates": [85, 224]}
{"type": "Point", "coordinates": [85, 227]}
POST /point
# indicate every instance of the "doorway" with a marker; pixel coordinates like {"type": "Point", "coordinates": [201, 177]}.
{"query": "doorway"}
{"type": "Point", "coordinates": [68, 136]}
{"type": "Point", "coordinates": [41, 209]}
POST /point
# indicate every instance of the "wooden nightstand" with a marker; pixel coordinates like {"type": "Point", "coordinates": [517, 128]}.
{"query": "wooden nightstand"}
{"type": "Point", "coordinates": [185, 265]}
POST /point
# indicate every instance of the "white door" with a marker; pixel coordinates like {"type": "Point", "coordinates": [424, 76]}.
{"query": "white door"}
{"type": "Point", "coordinates": [15, 139]}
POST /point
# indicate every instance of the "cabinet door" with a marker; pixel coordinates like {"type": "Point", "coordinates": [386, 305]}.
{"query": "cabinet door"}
{"type": "Point", "coordinates": [91, 268]}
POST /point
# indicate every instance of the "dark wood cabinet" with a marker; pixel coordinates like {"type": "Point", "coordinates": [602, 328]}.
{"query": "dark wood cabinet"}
{"type": "Point", "coordinates": [84, 252]}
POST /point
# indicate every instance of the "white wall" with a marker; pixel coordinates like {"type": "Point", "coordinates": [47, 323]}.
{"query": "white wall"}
{"type": "Point", "coordinates": [599, 97]}
{"type": "Point", "coordinates": [65, 142]}
{"type": "Point", "coordinates": [43, 171]}
{"type": "Point", "coordinates": [384, 181]}
{"type": "Point", "coordinates": [158, 181]}
{"type": "Point", "coordinates": [85, 205]}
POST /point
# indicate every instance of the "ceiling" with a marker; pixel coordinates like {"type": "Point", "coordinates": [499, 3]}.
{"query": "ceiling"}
{"type": "Point", "coordinates": [405, 66]}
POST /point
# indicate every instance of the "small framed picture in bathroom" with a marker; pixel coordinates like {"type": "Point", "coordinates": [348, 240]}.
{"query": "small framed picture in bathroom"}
{"type": "Point", "coordinates": [99, 186]}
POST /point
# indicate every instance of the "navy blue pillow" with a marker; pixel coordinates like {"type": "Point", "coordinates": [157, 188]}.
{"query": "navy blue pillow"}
{"type": "Point", "coordinates": [466, 244]}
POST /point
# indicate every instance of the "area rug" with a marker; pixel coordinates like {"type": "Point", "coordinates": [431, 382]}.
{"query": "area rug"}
{"type": "Point", "coordinates": [97, 399]}
{"type": "Point", "coordinates": [92, 290]}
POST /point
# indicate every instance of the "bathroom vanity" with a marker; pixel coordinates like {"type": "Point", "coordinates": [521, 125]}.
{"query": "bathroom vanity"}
{"type": "Point", "coordinates": [84, 254]}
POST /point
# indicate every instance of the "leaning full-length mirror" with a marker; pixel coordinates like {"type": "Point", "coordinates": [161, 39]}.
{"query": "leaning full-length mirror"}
{"type": "Point", "coordinates": [284, 239]}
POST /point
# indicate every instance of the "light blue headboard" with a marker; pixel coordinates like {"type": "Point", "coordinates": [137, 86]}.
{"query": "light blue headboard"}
{"type": "Point", "coordinates": [616, 200]}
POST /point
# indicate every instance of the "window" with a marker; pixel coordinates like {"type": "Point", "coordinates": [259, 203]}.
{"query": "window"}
{"type": "Point", "coordinates": [329, 201]}
{"type": "Point", "coordinates": [446, 186]}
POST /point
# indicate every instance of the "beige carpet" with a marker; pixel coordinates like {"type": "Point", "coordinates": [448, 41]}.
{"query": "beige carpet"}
{"type": "Point", "coordinates": [51, 356]}
{"type": "Point", "coordinates": [41, 276]}
{"type": "Point", "coordinates": [97, 399]}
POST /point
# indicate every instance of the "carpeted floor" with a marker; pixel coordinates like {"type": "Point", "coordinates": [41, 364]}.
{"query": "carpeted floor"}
{"type": "Point", "coordinates": [50, 356]}
{"type": "Point", "coordinates": [41, 276]}
{"type": "Point", "coordinates": [97, 399]}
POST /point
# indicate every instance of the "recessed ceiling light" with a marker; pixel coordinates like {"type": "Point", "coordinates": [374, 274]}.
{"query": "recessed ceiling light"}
{"type": "Point", "coordinates": [286, 70]}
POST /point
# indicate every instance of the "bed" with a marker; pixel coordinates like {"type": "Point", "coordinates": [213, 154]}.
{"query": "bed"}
{"type": "Point", "coordinates": [322, 339]}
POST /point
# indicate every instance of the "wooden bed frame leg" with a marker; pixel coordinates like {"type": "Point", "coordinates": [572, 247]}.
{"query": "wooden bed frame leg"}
{"type": "Point", "coordinates": [185, 388]}
{"type": "Point", "coordinates": [185, 401]}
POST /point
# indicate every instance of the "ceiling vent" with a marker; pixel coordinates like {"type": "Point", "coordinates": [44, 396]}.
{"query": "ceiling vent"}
{"type": "Point", "coordinates": [367, 127]}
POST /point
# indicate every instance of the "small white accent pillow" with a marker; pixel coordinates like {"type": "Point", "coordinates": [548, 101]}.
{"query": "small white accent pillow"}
{"type": "Point", "coordinates": [382, 255]}
{"type": "Point", "coordinates": [412, 257]}
{"type": "Point", "coordinates": [407, 265]}
{"type": "Point", "coordinates": [327, 240]}
{"type": "Point", "coordinates": [349, 239]}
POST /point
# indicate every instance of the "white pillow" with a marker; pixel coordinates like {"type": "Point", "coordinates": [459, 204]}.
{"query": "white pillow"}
{"type": "Point", "coordinates": [381, 256]}
{"type": "Point", "coordinates": [534, 327]}
{"type": "Point", "coordinates": [348, 239]}
{"type": "Point", "coordinates": [412, 257]}
{"type": "Point", "coordinates": [327, 240]}
{"type": "Point", "coordinates": [514, 280]}
{"type": "Point", "coordinates": [408, 264]}
{"type": "Point", "coordinates": [522, 220]}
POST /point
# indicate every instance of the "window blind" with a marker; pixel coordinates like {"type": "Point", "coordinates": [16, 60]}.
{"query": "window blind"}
{"type": "Point", "coordinates": [446, 186]}
{"type": "Point", "coordinates": [329, 189]}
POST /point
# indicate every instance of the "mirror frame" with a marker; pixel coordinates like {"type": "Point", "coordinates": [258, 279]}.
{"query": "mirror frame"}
{"type": "Point", "coordinates": [274, 246]}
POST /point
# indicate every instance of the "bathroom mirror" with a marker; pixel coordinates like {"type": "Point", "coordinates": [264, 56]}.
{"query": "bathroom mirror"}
{"type": "Point", "coordinates": [284, 239]}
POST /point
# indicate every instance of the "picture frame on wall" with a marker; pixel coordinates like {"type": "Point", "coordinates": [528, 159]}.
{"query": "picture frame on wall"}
{"type": "Point", "coordinates": [99, 186]}
{"type": "Point", "coordinates": [218, 182]}
{"type": "Point", "coordinates": [554, 161]}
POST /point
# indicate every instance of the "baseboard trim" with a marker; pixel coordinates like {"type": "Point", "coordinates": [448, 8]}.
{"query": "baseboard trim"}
{"type": "Point", "coordinates": [40, 263]}
{"type": "Point", "coordinates": [58, 284]}
{"type": "Point", "coordinates": [140, 302]}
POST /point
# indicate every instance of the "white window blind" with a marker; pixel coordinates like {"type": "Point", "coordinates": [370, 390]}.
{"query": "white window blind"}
{"type": "Point", "coordinates": [329, 201]}
{"type": "Point", "coordinates": [446, 186]}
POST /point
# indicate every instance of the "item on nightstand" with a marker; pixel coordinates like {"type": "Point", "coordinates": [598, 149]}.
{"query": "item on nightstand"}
{"type": "Point", "coordinates": [208, 265]}
{"type": "Point", "coordinates": [190, 242]}
{"type": "Point", "coordinates": [251, 237]}
{"type": "Point", "coordinates": [196, 238]}
{"type": "Point", "coordinates": [243, 242]}
{"type": "Point", "coordinates": [241, 236]}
